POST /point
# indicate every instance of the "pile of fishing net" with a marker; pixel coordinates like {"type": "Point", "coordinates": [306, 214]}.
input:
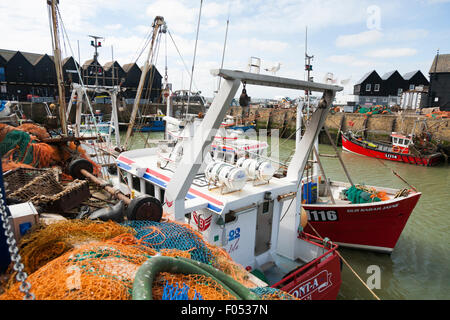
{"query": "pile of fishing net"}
{"type": "Point", "coordinates": [362, 194]}
{"type": "Point", "coordinates": [22, 147]}
{"type": "Point", "coordinates": [93, 260]}
{"type": "Point", "coordinates": [375, 110]}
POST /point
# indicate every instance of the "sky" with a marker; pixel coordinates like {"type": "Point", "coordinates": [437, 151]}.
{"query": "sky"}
{"type": "Point", "coordinates": [347, 38]}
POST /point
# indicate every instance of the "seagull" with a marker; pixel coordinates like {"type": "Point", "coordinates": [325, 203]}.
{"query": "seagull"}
{"type": "Point", "coordinates": [274, 69]}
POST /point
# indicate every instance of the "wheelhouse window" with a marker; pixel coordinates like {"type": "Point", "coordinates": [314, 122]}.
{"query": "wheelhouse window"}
{"type": "Point", "coordinates": [136, 183]}
{"type": "Point", "coordinates": [149, 189]}
{"type": "Point", "coordinates": [400, 141]}
{"type": "Point", "coordinates": [368, 87]}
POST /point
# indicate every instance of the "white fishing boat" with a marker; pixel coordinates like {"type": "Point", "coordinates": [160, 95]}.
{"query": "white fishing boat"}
{"type": "Point", "coordinates": [236, 202]}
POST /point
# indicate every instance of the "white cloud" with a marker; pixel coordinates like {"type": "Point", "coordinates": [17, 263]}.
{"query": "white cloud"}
{"type": "Point", "coordinates": [349, 60]}
{"type": "Point", "coordinates": [116, 26]}
{"type": "Point", "coordinates": [391, 53]}
{"type": "Point", "coordinates": [359, 39]}
{"type": "Point", "coordinates": [405, 35]}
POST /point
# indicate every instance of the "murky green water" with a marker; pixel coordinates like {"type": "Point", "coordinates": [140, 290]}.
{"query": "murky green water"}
{"type": "Point", "coordinates": [419, 267]}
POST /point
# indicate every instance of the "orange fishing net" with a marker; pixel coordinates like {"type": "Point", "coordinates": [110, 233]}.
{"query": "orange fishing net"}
{"type": "Point", "coordinates": [22, 147]}
{"type": "Point", "coordinates": [34, 129]}
{"type": "Point", "coordinates": [46, 243]}
{"type": "Point", "coordinates": [105, 270]}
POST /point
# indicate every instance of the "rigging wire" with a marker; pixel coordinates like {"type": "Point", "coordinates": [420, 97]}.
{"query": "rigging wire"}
{"type": "Point", "coordinates": [181, 57]}
{"type": "Point", "coordinates": [193, 59]}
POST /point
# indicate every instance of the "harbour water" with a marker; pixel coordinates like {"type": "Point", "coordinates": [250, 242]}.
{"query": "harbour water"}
{"type": "Point", "coordinates": [419, 267]}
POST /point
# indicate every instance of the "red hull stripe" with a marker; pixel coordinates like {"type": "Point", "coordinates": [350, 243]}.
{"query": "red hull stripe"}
{"type": "Point", "coordinates": [126, 160]}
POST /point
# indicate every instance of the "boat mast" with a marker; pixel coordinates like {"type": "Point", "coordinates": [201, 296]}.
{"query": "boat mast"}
{"type": "Point", "coordinates": [158, 22]}
{"type": "Point", "coordinates": [58, 64]}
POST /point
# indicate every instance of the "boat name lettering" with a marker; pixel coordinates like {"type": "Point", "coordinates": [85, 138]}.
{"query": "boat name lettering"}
{"type": "Point", "coordinates": [373, 209]}
{"type": "Point", "coordinates": [392, 156]}
{"type": "Point", "coordinates": [322, 215]}
{"type": "Point", "coordinates": [320, 282]}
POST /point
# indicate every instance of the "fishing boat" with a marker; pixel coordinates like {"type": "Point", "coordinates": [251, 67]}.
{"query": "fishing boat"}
{"type": "Point", "coordinates": [151, 123]}
{"type": "Point", "coordinates": [356, 216]}
{"type": "Point", "coordinates": [374, 226]}
{"type": "Point", "coordinates": [400, 149]}
{"type": "Point", "coordinates": [236, 202]}
{"type": "Point", "coordinates": [232, 123]}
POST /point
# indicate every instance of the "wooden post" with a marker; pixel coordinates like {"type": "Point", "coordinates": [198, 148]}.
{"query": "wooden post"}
{"type": "Point", "coordinates": [159, 21]}
{"type": "Point", "coordinates": [58, 67]}
{"type": "Point", "coordinates": [324, 175]}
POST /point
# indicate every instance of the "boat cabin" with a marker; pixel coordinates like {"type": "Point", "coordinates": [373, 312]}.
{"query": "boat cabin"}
{"type": "Point", "coordinates": [400, 143]}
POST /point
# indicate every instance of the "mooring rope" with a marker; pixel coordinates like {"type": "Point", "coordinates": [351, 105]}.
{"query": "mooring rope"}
{"type": "Point", "coordinates": [349, 266]}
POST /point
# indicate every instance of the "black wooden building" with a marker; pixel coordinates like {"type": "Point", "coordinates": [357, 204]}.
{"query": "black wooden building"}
{"type": "Point", "coordinates": [393, 84]}
{"type": "Point", "coordinates": [372, 89]}
{"type": "Point", "coordinates": [114, 73]}
{"type": "Point", "coordinates": [132, 78]}
{"type": "Point", "coordinates": [414, 79]}
{"type": "Point", "coordinates": [24, 75]}
{"type": "Point", "coordinates": [368, 85]}
{"type": "Point", "coordinates": [439, 93]}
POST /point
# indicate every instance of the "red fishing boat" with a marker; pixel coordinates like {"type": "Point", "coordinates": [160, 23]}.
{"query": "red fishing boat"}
{"type": "Point", "coordinates": [374, 226]}
{"type": "Point", "coordinates": [399, 150]}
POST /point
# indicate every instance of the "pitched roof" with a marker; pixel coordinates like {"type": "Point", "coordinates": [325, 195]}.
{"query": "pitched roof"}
{"type": "Point", "coordinates": [7, 54]}
{"type": "Point", "coordinates": [409, 75]}
{"type": "Point", "coordinates": [128, 66]}
{"type": "Point", "coordinates": [443, 64]}
{"type": "Point", "coordinates": [365, 77]}
{"type": "Point", "coordinates": [387, 75]}
{"type": "Point", "coordinates": [87, 63]}
{"type": "Point", "coordinates": [110, 64]}
{"type": "Point", "coordinates": [33, 58]}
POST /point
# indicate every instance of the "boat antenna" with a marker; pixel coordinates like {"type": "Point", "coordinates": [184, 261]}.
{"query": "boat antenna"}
{"type": "Point", "coordinates": [96, 44]}
{"type": "Point", "coordinates": [308, 68]}
{"type": "Point", "coordinates": [224, 43]}
{"type": "Point", "coordinates": [193, 60]}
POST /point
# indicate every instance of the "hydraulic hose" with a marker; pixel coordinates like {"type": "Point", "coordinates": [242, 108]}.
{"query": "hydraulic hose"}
{"type": "Point", "coordinates": [146, 274]}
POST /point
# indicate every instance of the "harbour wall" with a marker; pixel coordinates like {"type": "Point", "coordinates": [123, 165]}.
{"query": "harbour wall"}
{"type": "Point", "coordinates": [377, 126]}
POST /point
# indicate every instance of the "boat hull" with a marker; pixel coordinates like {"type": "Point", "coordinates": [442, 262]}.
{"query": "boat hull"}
{"type": "Point", "coordinates": [373, 226]}
{"type": "Point", "coordinates": [318, 280]}
{"type": "Point", "coordinates": [350, 146]}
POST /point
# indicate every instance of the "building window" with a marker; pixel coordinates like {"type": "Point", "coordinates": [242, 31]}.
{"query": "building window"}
{"type": "Point", "coordinates": [368, 87]}
{"type": "Point", "coordinates": [400, 91]}
{"type": "Point", "coordinates": [2, 74]}
{"type": "Point", "coordinates": [411, 87]}
{"type": "Point", "coordinates": [377, 87]}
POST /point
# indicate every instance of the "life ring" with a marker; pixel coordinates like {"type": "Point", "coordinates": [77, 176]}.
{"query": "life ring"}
{"type": "Point", "coordinates": [396, 149]}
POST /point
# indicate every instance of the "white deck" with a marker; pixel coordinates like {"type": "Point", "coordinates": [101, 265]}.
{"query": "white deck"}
{"type": "Point", "coordinates": [198, 197]}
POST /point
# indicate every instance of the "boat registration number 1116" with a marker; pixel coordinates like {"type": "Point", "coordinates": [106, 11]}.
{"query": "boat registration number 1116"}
{"type": "Point", "coordinates": [322, 215]}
